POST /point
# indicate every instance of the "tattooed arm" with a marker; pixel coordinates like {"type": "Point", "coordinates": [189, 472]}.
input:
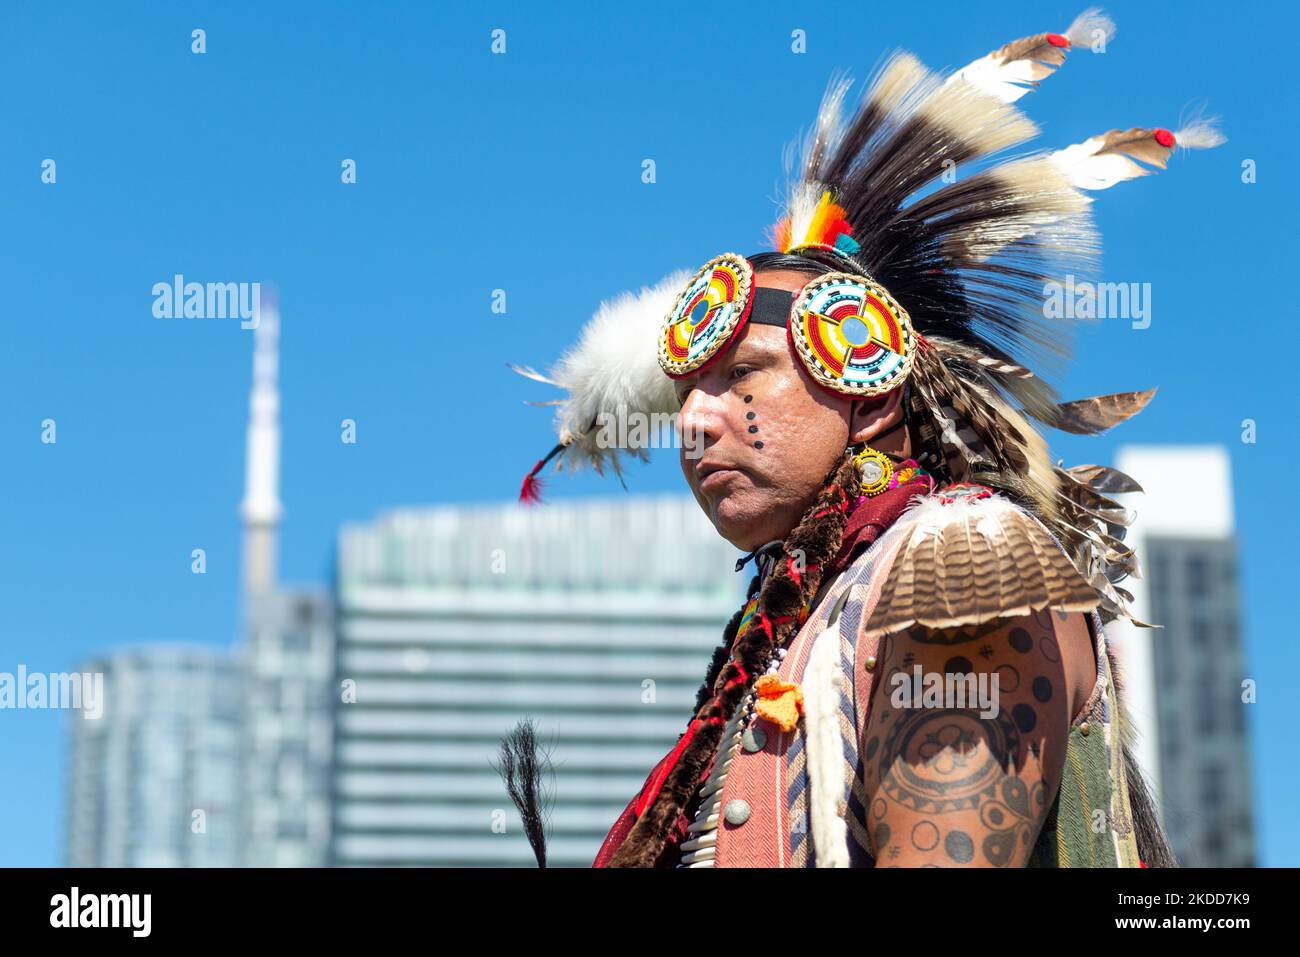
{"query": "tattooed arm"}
{"type": "Point", "coordinates": [968, 782]}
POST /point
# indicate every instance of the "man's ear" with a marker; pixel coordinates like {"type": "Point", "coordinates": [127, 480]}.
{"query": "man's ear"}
{"type": "Point", "coordinates": [875, 416]}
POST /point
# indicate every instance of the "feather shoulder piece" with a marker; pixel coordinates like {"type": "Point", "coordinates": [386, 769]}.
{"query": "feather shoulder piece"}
{"type": "Point", "coordinates": [969, 555]}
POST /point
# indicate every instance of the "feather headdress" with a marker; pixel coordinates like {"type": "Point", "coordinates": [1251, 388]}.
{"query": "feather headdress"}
{"type": "Point", "coordinates": [909, 190]}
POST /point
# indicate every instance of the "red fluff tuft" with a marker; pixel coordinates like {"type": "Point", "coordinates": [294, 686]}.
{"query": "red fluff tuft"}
{"type": "Point", "coordinates": [1165, 138]}
{"type": "Point", "coordinates": [530, 493]}
{"type": "Point", "coordinates": [838, 227]}
{"type": "Point", "coordinates": [1056, 40]}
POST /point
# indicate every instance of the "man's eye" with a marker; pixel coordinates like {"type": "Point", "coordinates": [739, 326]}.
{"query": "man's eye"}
{"type": "Point", "coordinates": [739, 372]}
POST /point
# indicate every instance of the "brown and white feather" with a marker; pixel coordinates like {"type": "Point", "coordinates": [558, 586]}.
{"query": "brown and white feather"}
{"type": "Point", "coordinates": [969, 561]}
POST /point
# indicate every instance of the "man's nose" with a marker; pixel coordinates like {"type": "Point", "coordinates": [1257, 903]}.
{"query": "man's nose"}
{"type": "Point", "coordinates": [700, 422]}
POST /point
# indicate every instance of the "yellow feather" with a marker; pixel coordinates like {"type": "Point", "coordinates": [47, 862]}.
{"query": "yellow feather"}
{"type": "Point", "coordinates": [817, 227]}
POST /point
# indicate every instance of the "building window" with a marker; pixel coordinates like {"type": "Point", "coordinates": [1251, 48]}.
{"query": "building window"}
{"type": "Point", "coordinates": [1206, 702]}
{"type": "Point", "coordinates": [1159, 569]}
{"type": "Point", "coordinates": [1200, 634]}
{"type": "Point", "coordinates": [296, 641]}
{"type": "Point", "coordinates": [1216, 848]}
{"type": "Point", "coordinates": [1211, 787]}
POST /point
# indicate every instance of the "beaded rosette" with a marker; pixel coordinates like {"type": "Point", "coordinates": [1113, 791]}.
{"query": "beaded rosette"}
{"type": "Point", "coordinates": [706, 315]}
{"type": "Point", "coordinates": [853, 338]}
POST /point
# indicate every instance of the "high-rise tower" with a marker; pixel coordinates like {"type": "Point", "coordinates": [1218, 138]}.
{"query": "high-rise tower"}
{"type": "Point", "coordinates": [261, 509]}
{"type": "Point", "coordinates": [287, 653]}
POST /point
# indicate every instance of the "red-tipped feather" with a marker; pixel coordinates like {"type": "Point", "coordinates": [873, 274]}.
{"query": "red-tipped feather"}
{"type": "Point", "coordinates": [530, 493]}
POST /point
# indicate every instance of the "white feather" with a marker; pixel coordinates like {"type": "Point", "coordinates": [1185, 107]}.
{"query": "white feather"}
{"type": "Point", "coordinates": [1041, 202]}
{"type": "Point", "coordinates": [1006, 81]}
{"type": "Point", "coordinates": [1086, 27]}
{"type": "Point", "coordinates": [1086, 170]}
{"type": "Point", "coordinates": [802, 206]}
{"type": "Point", "coordinates": [528, 372]}
{"type": "Point", "coordinates": [829, 128]}
{"type": "Point", "coordinates": [984, 122]}
{"type": "Point", "coordinates": [825, 750]}
{"type": "Point", "coordinates": [1199, 135]}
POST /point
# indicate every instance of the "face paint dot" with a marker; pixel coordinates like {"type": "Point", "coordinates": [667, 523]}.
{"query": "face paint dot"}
{"type": "Point", "coordinates": [749, 398]}
{"type": "Point", "coordinates": [750, 415]}
{"type": "Point", "coordinates": [753, 428]}
{"type": "Point", "coordinates": [758, 445]}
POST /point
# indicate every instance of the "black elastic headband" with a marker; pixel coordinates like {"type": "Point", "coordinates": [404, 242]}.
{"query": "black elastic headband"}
{"type": "Point", "coordinates": [771, 307]}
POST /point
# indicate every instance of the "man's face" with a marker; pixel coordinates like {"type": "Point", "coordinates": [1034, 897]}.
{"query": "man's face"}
{"type": "Point", "coordinates": [762, 434]}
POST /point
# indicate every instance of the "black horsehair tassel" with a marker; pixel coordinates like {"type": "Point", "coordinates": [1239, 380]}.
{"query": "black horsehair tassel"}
{"type": "Point", "coordinates": [523, 764]}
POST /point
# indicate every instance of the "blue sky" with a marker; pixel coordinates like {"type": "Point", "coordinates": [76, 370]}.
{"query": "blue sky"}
{"type": "Point", "coordinates": [522, 172]}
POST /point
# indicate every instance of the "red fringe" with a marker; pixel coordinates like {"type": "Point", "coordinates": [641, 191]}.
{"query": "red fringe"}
{"type": "Point", "coordinates": [652, 789]}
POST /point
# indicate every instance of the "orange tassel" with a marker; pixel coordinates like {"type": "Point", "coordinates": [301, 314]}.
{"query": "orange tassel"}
{"type": "Point", "coordinates": [778, 701]}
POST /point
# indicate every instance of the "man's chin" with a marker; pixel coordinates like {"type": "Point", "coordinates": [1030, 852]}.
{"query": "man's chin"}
{"type": "Point", "coordinates": [742, 522]}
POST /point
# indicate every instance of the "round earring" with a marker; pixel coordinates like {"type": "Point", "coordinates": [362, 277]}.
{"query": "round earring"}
{"type": "Point", "coordinates": [877, 470]}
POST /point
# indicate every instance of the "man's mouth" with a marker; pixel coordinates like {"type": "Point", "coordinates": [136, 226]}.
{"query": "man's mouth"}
{"type": "Point", "coordinates": [715, 474]}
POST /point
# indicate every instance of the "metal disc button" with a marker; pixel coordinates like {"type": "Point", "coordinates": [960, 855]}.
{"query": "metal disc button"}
{"type": "Point", "coordinates": [737, 811]}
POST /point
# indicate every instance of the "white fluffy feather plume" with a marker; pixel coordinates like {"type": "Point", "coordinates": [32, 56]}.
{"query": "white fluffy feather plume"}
{"type": "Point", "coordinates": [1090, 26]}
{"type": "Point", "coordinates": [613, 369]}
{"type": "Point", "coordinates": [1200, 135]}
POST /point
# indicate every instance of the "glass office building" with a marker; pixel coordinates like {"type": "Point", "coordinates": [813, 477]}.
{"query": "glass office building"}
{"type": "Point", "coordinates": [155, 781]}
{"type": "Point", "coordinates": [596, 619]}
{"type": "Point", "coordinates": [1185, 680]}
